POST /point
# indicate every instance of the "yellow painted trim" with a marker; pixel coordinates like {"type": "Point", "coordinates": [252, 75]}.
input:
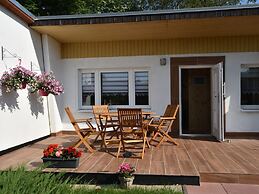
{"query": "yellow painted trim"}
{"type": "Point", "coordinates": [160, 47]}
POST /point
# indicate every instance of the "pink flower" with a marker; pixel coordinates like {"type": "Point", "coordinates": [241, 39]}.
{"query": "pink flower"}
{"type": "Point", "coordinates": [126, 170]}
{"type": "Point", "coordinates": [58, 153]}
{"type": "Point", "coordinates": [48, 83]}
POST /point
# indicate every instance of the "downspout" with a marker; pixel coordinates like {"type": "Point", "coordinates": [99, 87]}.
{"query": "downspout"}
{"type": "Point", "coordinates": [44, 69]}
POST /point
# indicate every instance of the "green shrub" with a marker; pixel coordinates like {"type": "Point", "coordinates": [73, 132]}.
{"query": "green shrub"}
{"type": "Point", "coordinates": [20, 181]}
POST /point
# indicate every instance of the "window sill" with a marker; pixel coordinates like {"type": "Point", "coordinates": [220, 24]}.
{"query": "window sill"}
{"type": "Point", "coordinates": [85, 110]}
{"type": "Point", "coordinates": [249, 110]}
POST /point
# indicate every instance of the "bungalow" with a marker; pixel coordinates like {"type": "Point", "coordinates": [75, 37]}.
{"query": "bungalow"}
{"type": "Point", "coordinates": [206, 60]}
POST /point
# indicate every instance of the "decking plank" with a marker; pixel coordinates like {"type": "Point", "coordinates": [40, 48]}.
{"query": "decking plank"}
{"type": "Point", "coordinates": [198, 159]}
{"type": "Point", "coordinates": [186, 165]}
{"type": "Point", "coordinates": [92, 160]}
{"type": "Point", "coordinates": [228, 162]}
{"type": "Point", "coordinates": [144, 165]}
{"type": "Point", "coordinates": [241, 161]}
{"type": "Point", "coordinates": [172, 166]}
{"type": "Point", "coordinates": [114, 164]}
{"type": "Point", "coordinates": [101, 163]}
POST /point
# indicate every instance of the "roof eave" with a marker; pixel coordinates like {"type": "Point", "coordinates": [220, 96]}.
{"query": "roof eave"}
{"type": "Point", "coordinates": [107, 18]}
{"type": "Point", "coordinates": [18, 10]}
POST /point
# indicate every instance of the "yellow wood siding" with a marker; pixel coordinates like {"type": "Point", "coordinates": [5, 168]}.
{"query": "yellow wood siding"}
{"type": "Point", "coordinates": [160, 47]}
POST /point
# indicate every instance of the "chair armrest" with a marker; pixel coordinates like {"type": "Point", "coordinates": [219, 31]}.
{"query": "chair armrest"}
{"type": "Point", "coordinates": [167, 118]}
{"type": "Point", "coordinates": [83, 120]}
{"type": "Point", "coordinates": [155, 116]}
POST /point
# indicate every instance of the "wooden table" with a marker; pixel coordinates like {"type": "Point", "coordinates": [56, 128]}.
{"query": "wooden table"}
{"type": "Point", "coordinates": [104, 125]}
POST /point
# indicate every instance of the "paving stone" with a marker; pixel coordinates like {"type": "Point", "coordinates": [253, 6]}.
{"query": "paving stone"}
{"type": "Point", "coordinates": [241, 188]}
{"type": "Point", "coordinates": [205, 188]}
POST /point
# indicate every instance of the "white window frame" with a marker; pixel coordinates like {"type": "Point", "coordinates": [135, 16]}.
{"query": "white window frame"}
{"type": "Point", "coordinates": [97, 80]}
{"type": "Point", "coordinates": [247, 107]}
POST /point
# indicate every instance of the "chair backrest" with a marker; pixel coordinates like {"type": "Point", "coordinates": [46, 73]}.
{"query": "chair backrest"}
{"type": "Point", "coordinates": [97, 110]}
{"type": "Point", "coordinates": [72, 119]}
{"type": "Point", "coordinates": [70, 115]}
{"type": "Point", "coordinates": [75, 123]}
{"type": "Point", "coordinates": [171, 110]}
{"type": "Point", "coordinates": [130, 117]}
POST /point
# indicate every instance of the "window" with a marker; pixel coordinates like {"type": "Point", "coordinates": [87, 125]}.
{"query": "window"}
{"type": "Point", "coordinates": [249, 87]}
{"type": "Point", "coordinates": [88, 88]}
{"type": "Point", "coordinates": [141, 88]}
{"type": "Point", "coordinates": [114, 88]}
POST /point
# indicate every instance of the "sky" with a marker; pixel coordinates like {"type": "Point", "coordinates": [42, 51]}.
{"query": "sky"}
{"type": "Point", "coordinates": [245, 1]}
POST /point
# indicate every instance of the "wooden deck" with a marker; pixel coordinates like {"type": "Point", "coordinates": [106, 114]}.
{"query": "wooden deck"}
{"type": "Point", "coordinates": [192, 161]}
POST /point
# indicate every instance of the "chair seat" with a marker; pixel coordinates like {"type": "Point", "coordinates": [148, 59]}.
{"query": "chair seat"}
{"type": "Point", "coordinates": [88, 129]}
{"type": "Point", "coordinates": [153, 125]}
{"type": "Point", "coordinates": [133, 140]}
{"type": "Point", "coordinates": [83, 120]}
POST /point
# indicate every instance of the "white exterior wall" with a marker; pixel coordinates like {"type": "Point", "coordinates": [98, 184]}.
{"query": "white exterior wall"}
{"type": "Point", "coordinates": [23, 116]}
{"type": "Point", "coordinates": [159, 79]}
{"type": "Point", "coordinates": [236, 119]}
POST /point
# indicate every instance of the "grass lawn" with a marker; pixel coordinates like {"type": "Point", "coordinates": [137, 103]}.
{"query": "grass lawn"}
{"type": "Point", "coordinates": [20, 181]}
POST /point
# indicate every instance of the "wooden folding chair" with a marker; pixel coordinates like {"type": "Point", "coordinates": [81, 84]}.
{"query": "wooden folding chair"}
{"type": "Point", "coordinates": [132, 129]}
{"type": "Point", "coordinates": [83, 133]}
{"type": "Point", "coordinates": [163, 126]}
{"type": "Point", "coordinates": [104, 121]}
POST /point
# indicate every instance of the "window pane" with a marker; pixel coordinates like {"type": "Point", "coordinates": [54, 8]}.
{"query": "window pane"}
{"type": "Point", "coordinates": [141, 88]}
{"type": "Point", "coordinates": [88, 89]}
{"type": "Point", "coordinates": [250, 86]}
{"type": "Point", "coordinates": [115, 89]}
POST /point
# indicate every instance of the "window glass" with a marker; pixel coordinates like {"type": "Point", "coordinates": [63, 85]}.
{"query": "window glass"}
{"type": "Point", "coordinates": [141, 88]}
{"type": "Point", "coordinates": [114, 88]}
{"type": "Point", "coordinates": [249, 85]}
{"type": "Point", "coordinates": [88, 94]}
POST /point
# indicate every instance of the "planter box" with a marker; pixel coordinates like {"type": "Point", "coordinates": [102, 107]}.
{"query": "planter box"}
{"type": "Point", "coordinates": [61, 163]}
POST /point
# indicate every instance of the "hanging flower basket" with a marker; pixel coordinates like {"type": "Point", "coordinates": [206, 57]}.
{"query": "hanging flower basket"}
{"type": "Point", "coordinates": [47, 84]}
{"type": "Point", "coordinates": [43, 93]}
{"type": "Point", "coordinates": [17, 78]}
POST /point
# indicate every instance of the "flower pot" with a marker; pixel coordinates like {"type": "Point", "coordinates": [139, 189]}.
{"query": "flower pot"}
{"type": "Point", "coordinates": [61, 163]}
{"type": "Point", "coordinates": [23, 85]}
{"type": "Point", "coordinates": [43, 93]}
{"type": "Point", "coordinates": [126, 182]}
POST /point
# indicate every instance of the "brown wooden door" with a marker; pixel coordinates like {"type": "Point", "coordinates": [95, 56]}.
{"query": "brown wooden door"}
{"type": "Point", "coordinates": [196, 101]}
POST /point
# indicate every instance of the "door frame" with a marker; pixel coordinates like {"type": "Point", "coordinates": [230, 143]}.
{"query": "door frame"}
{"type": "Point", "coordinates": [175, 62]}
{"type": "Point", "coordinates": [180, 97]}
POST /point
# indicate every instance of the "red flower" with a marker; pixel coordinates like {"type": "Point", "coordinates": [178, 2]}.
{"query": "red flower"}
{"type": "Point", "coordinates": [51, 150]}
{"type": "Point", "coordinates": [78, 154]}
{"type": "Point", "coordinates": [46, 153]}
{"type": "Point", "coordinates": [54, 146]}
